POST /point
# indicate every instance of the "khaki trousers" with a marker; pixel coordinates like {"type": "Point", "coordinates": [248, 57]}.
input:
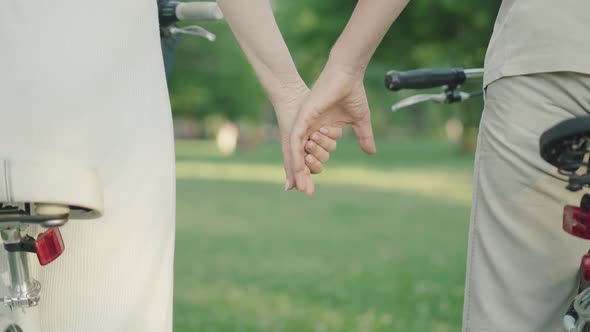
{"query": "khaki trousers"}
{"type": "Point", "coordinates": [521, 266]}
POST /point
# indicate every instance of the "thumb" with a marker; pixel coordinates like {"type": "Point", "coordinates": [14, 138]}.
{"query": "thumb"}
{"type": "Point", "coordinates": [290, 176]}
{"type": "Point", "coordinates": [364, 133]}
{"type": "Point", "coordinates": [299, 135]}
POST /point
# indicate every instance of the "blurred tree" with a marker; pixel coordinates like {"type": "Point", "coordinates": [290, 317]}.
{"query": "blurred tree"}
{"type": "Point", "coordinates": [216, 78]}
{"type": "Point", "coordinates": [447, 33]}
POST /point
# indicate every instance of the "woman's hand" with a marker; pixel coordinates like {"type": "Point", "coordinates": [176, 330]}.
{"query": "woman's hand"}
{"type": "Point", "coordinates": [337, 99]}
{"type": "Point", "coordinates": [318, 145]}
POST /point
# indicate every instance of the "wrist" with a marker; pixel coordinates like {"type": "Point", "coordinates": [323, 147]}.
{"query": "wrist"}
{"type": "Point", "coordinates": [287, 90]}
{"type": "Point", "coordinates": [345, 63]}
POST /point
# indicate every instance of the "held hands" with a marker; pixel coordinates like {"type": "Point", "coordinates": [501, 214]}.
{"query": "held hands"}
{"type": "Point", "coordinates": [337, 99]}
{"type": "Point", "coordinates": [319, 145]}
{"type": "Point", "coordinates": [310, 122]}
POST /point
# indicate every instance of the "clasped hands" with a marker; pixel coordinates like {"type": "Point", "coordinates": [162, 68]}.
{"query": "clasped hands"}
{"type": "Point", "coordinates": [311, 121]}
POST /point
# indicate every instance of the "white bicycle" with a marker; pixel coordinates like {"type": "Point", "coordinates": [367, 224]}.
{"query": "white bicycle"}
{"type": "Point", "coordinates": [39, 196]}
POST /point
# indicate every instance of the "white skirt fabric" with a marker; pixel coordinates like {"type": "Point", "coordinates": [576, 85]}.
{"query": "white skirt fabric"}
{"type": "Point", "coordinates": [83, 81]}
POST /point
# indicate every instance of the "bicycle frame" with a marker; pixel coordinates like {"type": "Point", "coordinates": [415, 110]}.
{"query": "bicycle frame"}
{"type": "Point", "coordinates": [23, 292]}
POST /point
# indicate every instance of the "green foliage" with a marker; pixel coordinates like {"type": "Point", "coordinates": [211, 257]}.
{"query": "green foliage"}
{"type": "Point", "coordinates": [450, 33]}
{"type": "Point", "coordinates": [216, 77]}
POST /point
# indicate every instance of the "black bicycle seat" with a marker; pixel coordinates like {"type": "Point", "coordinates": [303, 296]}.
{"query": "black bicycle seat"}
{"type": "Point", "coordinates": [565, 144]}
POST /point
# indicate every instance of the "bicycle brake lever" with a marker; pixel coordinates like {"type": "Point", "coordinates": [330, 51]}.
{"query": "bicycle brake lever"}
{"type": "Point", "coordinates": [413, 100]}
{"type": "Point", "coordinates": [437, 98]}
{"type": "Point", "coordinates": [193, 30]}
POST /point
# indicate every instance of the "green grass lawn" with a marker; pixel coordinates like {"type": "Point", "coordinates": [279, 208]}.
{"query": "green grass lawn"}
{"type": "Point", "coordinates": [380, 247]}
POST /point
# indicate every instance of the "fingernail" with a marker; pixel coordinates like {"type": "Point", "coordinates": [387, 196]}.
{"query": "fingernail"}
{"type": "Point", "coordinates": [310, 144]}
{"type": "Point", "coordinates": [324, 130]}
{"type": "Point", "coordinates": [315, 136]}
{"type": "Point", "coordinates": [309, 158]}
{"type": "Point", "coordinates": [287, 185]}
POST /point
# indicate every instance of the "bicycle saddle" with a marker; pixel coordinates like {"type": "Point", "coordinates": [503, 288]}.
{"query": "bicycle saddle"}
{"type": "Point", "coordinates": [565, 144]}
{"type": "Point", "coordinates": [54, 186]}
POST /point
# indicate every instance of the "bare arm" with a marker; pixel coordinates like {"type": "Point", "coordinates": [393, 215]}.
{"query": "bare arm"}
{"type": "Point", "coordinates": [364, 31]}
{"type": "Point", "coordinates": [255, 28]}
{"type": "Point", "coordinates": [338, 97]}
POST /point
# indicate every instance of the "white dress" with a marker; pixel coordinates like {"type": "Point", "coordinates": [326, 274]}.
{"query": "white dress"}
{"type": "Point", "coordinates": [84, 81]}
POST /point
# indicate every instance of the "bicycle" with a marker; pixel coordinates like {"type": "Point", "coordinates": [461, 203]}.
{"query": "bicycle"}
{"type": "Point", "coordinates": [449, 79]}
{"type": "Point", "coordinates": [26, 205]}
{"type": "Point", "coordinates": [565, 146]}
{"type": "Point", "coordinates": [171, 12]}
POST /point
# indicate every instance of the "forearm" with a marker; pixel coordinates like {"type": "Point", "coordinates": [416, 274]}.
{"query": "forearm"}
{"type": "Point", "coordinates": [364, 31]}
{"type": "Point", "coordinates": [256, 30]}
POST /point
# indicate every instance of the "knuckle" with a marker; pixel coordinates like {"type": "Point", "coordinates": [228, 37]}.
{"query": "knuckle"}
{"type": "Point", "coordinates": [320, 138]}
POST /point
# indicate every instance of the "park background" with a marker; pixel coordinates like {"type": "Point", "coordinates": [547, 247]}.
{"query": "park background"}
{"type": "Point", "coordinates": [382, 244]}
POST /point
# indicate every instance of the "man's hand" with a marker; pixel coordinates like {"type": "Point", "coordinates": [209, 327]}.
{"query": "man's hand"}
{"type": "Point", "coordinates": [319, 144]}
{"type": "Point", "coordinates": [254, 26]}
{"type": "Point", "coordinates": [337, 99]}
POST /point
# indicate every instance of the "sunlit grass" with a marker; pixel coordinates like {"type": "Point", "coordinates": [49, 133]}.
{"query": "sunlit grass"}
{"type": "Point", "coordinates": [445, 185]}
{"type": "Point", "coordinates": [380, 247]}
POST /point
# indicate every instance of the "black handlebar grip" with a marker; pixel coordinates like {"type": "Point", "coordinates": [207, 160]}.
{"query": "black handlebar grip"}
{"type": "Point", "coordinates": [423, 78]}
{"type": "Point", "coordinates": [167, 12]}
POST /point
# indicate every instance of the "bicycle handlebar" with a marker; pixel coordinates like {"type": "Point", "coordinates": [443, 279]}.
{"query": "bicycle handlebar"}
{"type": "Point", "coordinates": [449, 78]}
{"type": "Point", "coordinates": [429, 78]}
{"type": "Point", "coordinates": [423, 78]}
{"type": "Point", "coordinates": [172, 11]}
{"type": "Point", "coordinates": [198, 11]}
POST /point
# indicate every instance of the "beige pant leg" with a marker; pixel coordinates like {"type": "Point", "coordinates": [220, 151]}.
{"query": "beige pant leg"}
{"type": "Point", "coordinates": [521, 266]}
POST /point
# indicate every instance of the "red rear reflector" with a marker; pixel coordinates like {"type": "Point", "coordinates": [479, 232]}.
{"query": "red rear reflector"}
{"type": "Point", "coordinates": [49, 246]}
{"type": "Point", "coordinates": [585, 267]}
{"type": "Point", "coordinates": [576, 221]}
